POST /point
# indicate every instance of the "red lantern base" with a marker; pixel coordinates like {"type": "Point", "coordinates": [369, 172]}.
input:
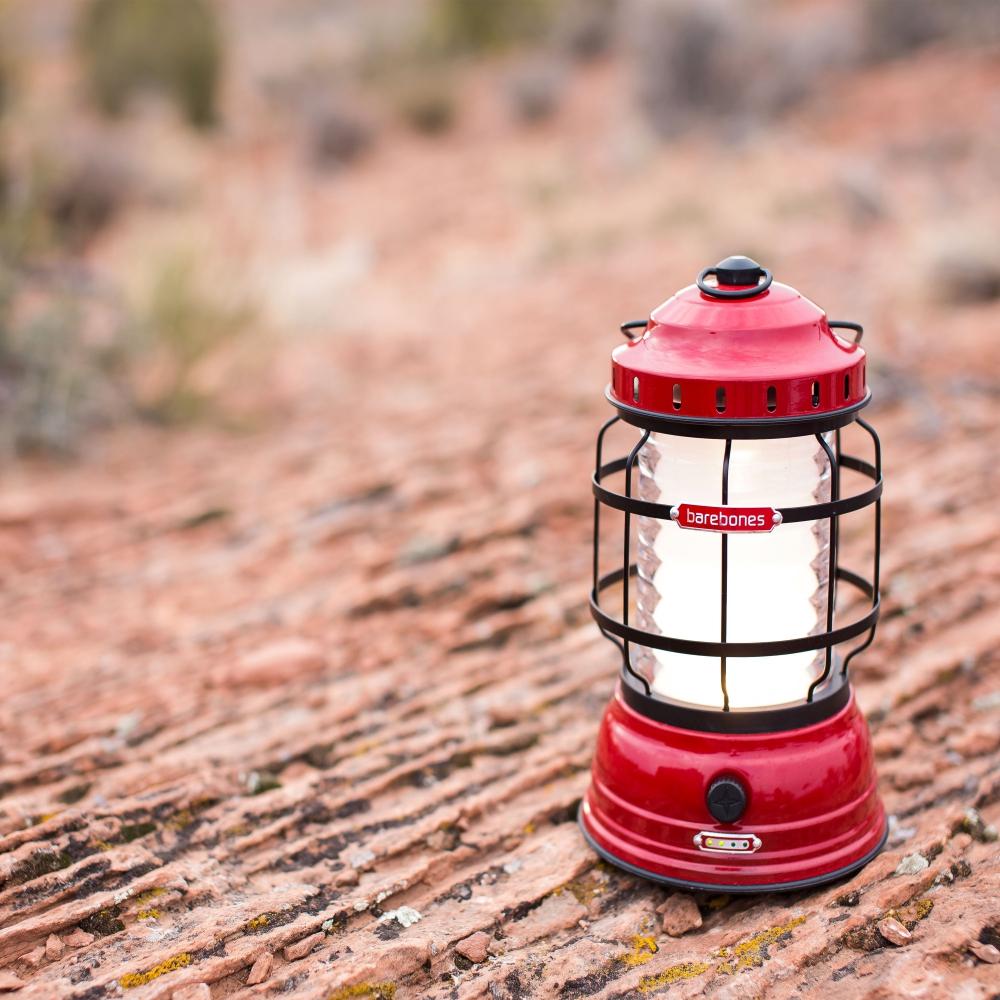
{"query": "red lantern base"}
{"type": "Point", "coordinates": [812, 810]}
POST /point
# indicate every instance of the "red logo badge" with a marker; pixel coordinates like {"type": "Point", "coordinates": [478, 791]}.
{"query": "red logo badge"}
{"type": "Point", "coordinates": [726, 519]}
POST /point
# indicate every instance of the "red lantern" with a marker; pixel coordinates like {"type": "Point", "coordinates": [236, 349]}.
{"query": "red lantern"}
{"type": "Point", "coordinates": [733, 755]}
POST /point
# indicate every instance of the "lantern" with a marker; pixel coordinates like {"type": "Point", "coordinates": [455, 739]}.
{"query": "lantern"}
{"type": "Point", "coordinates": [733, 755]}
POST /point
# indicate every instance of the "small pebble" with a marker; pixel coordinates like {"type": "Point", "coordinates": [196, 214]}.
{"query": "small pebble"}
{"type": "Point", "coordinates": [680, 914]}
{"type": "Point", "coordinates": [54, 947]}
{"type": "Point", "coordinates": [34, 957]}
{"type": "Point", "coordinates": [474, 947]}
{"type": "Point", "coordinates": [894, 932]}
{"type": "Point", "coordinates": [261, 969]}
{"type": "Point", "coordinates": [302, 948]}
{"type": "Point", "coordinates": [78, 939]}
{"type": "Point", "coordinates": [9, 982]}
{"type": "Point", "coordinates": [985, 952]}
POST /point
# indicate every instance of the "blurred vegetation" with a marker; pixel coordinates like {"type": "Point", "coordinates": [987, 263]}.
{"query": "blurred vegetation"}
{"type": "Point", "coordinates": [54, 386]}
{"type": "Point", "coordinates": [477, 26]}
{"type": "Point", "coordinates": [178, 325]}
{"type": "Point", "coordinates": [169, 46]}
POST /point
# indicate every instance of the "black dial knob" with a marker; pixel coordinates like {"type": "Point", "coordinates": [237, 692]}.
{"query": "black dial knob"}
{"type": "Point", "coordinates": [738, 271]}
{"type": "Point", "coordinates": [726, 800]}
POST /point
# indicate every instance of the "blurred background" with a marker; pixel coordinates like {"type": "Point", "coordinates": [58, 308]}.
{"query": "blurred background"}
{"type": "Point", "coordinates": [198, 196]}
{"type": "Point", "coordinates": [302, 302]}
{"type": "Point", "coordinates": [306, 309]}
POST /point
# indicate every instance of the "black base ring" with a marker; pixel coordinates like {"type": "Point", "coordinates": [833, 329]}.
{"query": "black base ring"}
{"type": "Point", "coordinates": [748, 720]}
{"type": "Point", "coordinates": [806, 883]}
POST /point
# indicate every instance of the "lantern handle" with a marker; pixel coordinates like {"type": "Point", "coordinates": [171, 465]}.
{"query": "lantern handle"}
{"type": "Point", "coordinates": [734, 293]}
{"type": "Point", "coordinates": [844, 324]}
{"type": "Point", "coordinates": [635, 324]}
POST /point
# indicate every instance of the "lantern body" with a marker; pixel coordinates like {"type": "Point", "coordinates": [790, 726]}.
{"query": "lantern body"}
{"type": "Point", "coordinates": [733, 755]}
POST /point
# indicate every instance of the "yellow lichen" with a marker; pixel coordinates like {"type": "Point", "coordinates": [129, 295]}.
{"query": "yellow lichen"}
{"type": "Point", "coordinates": [255, 923]}
{"type": "Point", "coordinates": [586, 889]}
{"type": "Point", "coordinates": [365, 991]}
{"type": "Point", "coordinates": [133, 979]}
{"type": "Point", "coordinates": [718, 902]}
{"type": "Point", "coordinates": [149, 914]}
{"type": "Point", "coordinates": [911, 914]}
{"type": "Point", "coordinates": [529, 829]}
{"type": "Point", "coordinates": [750, 953]}
{"type": "Point", "coordinates": [643, 948]}
{"type": "Point", "coordinates": [103, 845]}
{"type": "Point", "coordinates": [676, 973]}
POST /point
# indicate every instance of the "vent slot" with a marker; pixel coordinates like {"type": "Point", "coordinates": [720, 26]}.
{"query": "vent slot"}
{"type": "Point", "coordinates": [635, 389]}
{"type": "Point", "coordinates": [772, 399]}
{"type": "Point", "coordinates": [720, 399]}
{"type": "Point", "coordinates": [677, 396]}
{"type": "Point", "coordinates": [815, 395]}
{"type": "Point", "coordinates": [847, 387]}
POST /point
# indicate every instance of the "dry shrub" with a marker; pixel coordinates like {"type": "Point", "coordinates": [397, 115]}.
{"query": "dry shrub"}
{"type": "Point", "coordinates": [698, 63]}
{"type": "Point", "coordinates": [55, 200]}
{"type": "Point", "coordinates": [476, 26]}
{"type": "Point", "coordinates": [428, 103]}
{"type": "Point", "coordinates": [896, 27]}
{"type": "Point", "coordinates": [964, 266]}
{"type": "Point", "coordinates": [338, 134]}
{"type": "Point", "coordinates": [183, 320]}
{"type": "Point", "coordinates": [586, 29]}
{"type": "Point", "coordinates": [58, 381]}
{"type": "Point", "coordinates": [534, 90]}
{"type": "Point", "coordinates": [169, 46]}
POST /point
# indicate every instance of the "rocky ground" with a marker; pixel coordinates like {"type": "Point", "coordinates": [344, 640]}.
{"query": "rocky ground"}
{"type": "Point", "coordinates": [307, 710]}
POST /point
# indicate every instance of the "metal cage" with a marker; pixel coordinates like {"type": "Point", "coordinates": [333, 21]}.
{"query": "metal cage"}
{"type": "Point", "coordinates": [829, 692]}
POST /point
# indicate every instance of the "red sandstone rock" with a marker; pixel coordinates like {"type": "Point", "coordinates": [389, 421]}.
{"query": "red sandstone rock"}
{"type": "Point", "coordinates": [261, 969]}
{"type": "Point", "coordinates": [78, 939]}
{"type": "Point", "coordinates": [985, 952]}
{"type": "Point", "coordinates": [53, 947]}
{"type": "Point", "coordinates": [196, 991]}
{"type": "Point", "coordinates": [475, 947]}
{"type": "Point", "coordinates": [9, 982]}
{"type": "Point", "coordinates": [277, 663]}
{"type": "Point", "coordinates": [680, 914]}
{"type": "Point", "coordinates": [300, 949]}
{"type": "Point", "coordinates": [894, 932]}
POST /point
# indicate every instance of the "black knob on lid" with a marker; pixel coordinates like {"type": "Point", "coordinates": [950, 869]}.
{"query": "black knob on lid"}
{"type": "Point", "coordinates": [738, 271]}
{"type": "Point", "coordinates": [726, 800]}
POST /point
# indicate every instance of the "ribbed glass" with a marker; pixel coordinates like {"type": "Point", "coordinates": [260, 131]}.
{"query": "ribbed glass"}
{"type": "Point", "coordinates": [777, 581]}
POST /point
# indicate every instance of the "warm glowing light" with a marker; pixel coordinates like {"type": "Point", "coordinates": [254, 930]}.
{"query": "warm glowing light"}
{"type": "Point", "coordinates": [777, 582]}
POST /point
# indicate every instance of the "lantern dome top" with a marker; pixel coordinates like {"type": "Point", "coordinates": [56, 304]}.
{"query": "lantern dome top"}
{"type": "Point", "coordinates": [745, 347]}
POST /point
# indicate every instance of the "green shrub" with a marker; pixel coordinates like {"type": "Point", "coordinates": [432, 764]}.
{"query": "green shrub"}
{"type": "Point", "coordinates": [172, 46]}
{"type": "Point", "coordinates": [473, 26]}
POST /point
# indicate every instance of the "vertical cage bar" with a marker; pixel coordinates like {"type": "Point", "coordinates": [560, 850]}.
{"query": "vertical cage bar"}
{"type": "Point", "coordinates": [598, 462]}
{"type": "Point", "coordinates": [627, 552]}
{"type": "Point", "coordinates": [724, 602]}
{"type": "Point", "coordinates": [831, 585]}
{"type": "Point", "coordinates": [877, 444]}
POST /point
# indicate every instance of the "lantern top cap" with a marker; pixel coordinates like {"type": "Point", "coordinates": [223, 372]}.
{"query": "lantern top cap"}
{"type": "Point", "coordinates": [738, 270]}
{"type": "Point", "coordinates": [737, 345]}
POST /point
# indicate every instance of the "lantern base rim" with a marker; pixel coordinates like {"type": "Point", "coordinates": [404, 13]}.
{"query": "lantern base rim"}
{"type": "Point", "coordinates": [692, 886]}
